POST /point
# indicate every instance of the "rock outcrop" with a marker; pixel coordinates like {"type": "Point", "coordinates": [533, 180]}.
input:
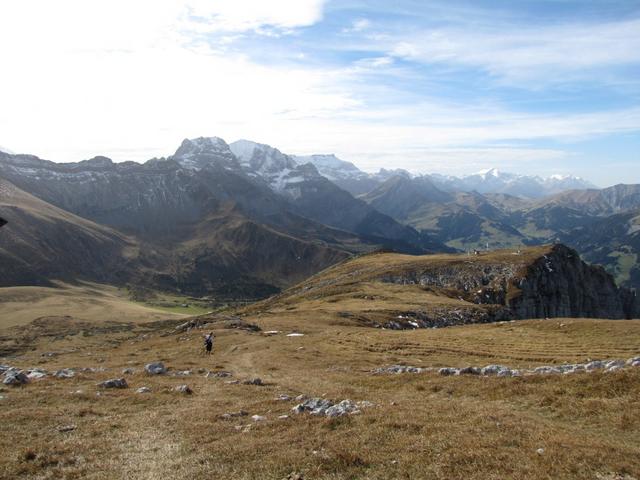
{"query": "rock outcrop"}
{"type": "Point", "coordinates": [561, 285]}
{"type": "Point", "coordinates": [556, 283]}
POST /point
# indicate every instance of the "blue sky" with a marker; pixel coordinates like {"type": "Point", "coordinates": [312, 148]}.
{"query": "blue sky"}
{"type": "Point", "coordinates": [539, 87]}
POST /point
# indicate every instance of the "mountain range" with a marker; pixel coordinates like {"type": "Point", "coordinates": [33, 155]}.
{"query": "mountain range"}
{"type": "Point", "coordinates": [244, 220]}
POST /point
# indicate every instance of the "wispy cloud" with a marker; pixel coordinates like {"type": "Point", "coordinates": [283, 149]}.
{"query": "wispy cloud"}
{"type": "Point", "coordinates": [527, 56]}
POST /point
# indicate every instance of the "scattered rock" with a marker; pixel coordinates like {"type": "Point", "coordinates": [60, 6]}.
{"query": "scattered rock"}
{"type": "Point", "coordinates": [155, 368]}
{"type": "Point", "coordinates": [239, 324]}
{"type": "Point", "coordinates": [184, 389]}
{"type": "Point", "coordinates": [253, 381]}
{"type": "Point", "coordinates": [295, 334]}
{"type": "Point", "coordinates": [66, 428]}
{"type": "Point", "coordinates": [547, 370]}
{"type": "Point", "coordinates": [614, 365]}
{"type": "Point", "coordinates": [64, 373]}
{"type": "Point", "coordinates": [345, 407]}
{"type": "Point", "coordinates": [36, 373]}
{"type": "Point", "coordinates": [470, 371]}
{"type": "Point", "coordinates": [315, 406]}
{"type": "Point", "coordinates": [258, 418]}
{"type": "Point", "coordinates": [219, 374]}
{"type": "Point", "coordinates": [492, 369]}
{"type": "Point", "coordinates": [540, 451]}
{"type": "Point", "coordinates": [229, 416]}
{"type": "Point", "coordinates": [448, 371]}
{"type": "Point", "coordinates": [182, 373]}
{"type": "Point", "coordinates": [398, 369]}
{"type": "Point", "coordinates": [4, 368]}
{"type": "Point", "coordinates": [631, 362]}
{"type": "Point", "coordinates": [232, 382]}
{"type": "Point", "coordinates": [15, 378]}
{"type": "Point", "coordinates": [128, 371]}
{"type": "Point", "coordinates": [283, 417]}
{"type": "Point", "coordinates": [324, 407]}
{"type": "Point", "coordinates": [594, 365]}
{"type": "Point", "coordinates": [195, 323]}
{"type": "Point", "coordinates": [114, 383]}
{"type": "Point", "coordinates": [143, 390]}
{"type": "Point", "coordinates": [283, 398]}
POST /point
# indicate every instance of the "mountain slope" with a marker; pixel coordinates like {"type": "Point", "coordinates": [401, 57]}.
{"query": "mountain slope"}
{"type": "Point", "coordinates": [607, 201]}
{"type": "Point", "coordinates": [203, 228]}
{"type": "Point", "coordinates": [613, 242]}
{"type": "Point", "coordinates": [42, 242]}
{"type": "Point", "coordinates": [313, 196]}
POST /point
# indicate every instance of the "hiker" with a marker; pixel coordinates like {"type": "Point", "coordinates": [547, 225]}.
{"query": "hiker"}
{"type": "Point", "coordinates": [208, 343]}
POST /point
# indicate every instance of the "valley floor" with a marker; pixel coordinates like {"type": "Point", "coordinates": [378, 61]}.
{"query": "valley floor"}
{"type": "Point", "coordinates": [420, 426]}
{"type": "Point", "coordinates": [91, 302]}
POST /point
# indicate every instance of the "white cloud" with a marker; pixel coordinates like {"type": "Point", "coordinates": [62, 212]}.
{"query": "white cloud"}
{"type": "Point", "coordinates": [241, 15]}
{"type": "Point", "coordinates": [132, 79]}
{"type": "Point", "coordinates": [541, 53]}
{"type": "Point", "coordinates": [358, 25]}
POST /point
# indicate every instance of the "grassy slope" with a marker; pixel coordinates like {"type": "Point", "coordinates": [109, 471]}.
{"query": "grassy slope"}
{"type": "Point", "coordinates": [355, 286]}
{"type": "Point", "coordinates": [422, 426]}
{"type": "Point", "coordinates": [85, 301]}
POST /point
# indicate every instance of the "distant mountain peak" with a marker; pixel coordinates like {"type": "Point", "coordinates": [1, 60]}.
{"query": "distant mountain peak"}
{"type": "Point", "coordinates": [197, 153]}
{"type": "Point", "coordinates": [490, 172]}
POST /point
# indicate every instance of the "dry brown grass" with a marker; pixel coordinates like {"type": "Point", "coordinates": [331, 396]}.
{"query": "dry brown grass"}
{"type": "Point", "coordinates": [422, 425]}
{"type": "Point", "coordinates": [84, 301]}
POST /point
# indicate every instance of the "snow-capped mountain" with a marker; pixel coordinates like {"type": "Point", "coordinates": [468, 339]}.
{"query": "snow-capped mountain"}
{"type": "Point", "coordinates": [280, 171]}
{"type": "Point", "coordinates": [200, 152]}
{"type": "Point", "coordinates": [494, 181]}
{"type": "Point", "coordinates": [6, 150]}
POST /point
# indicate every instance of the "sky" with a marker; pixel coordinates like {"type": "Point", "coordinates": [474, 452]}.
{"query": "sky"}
{"type": "Point", "coordinates": [535, 87]}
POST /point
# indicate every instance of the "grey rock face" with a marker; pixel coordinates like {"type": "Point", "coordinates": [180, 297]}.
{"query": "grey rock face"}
{"type": "Point", "coordinates": [562, 285]}
{"type": "Point", "coordinates": [448, 371]}
{"type": "Point", "coordinates": [155, 368]}
{"type": "Point", "coordinates": [558, 284]}
{"type": "Point", "coordinates": [64, 373]}
{"type": "Point", "coordinates": [15, 378]}
{"type": "Point", "coordinates": [114, 383]}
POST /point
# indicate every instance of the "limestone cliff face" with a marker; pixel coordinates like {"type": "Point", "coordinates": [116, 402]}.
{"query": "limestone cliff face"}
{"type": "Point", "coordinates": [561, 285]}
{"type": "Point", "coordinates": [557, 283]}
